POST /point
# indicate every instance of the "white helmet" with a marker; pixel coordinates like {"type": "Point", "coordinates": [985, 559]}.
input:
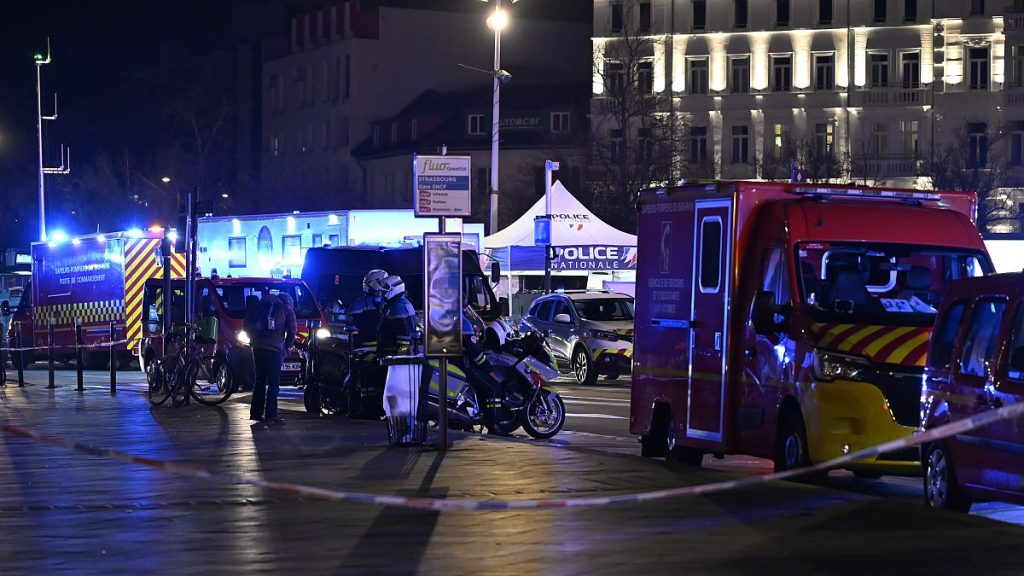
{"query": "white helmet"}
{"type": "Point", "coordinates": [374, 282]}
{"type": "Point", "coordinates": [395, 286]}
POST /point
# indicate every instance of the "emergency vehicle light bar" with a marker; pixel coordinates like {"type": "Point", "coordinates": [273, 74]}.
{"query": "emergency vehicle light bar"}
{"type": "Point", "coordinates": [867, 193]}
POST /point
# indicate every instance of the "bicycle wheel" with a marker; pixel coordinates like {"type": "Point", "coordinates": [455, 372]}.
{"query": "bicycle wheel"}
{"type": "Point", "coordinates": [210, 379]}
{"type": "Point", "coordinates": [179, 384]}
{"type": "Point", "coordinates": [158, 381]}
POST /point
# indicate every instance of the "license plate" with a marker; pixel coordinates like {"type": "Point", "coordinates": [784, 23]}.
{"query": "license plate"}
{"type": "Point", "coordinates": [291, 366]}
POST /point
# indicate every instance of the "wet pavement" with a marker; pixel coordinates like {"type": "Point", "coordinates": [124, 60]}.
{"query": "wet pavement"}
{"type": "Point", "coordinates": [67, 511]}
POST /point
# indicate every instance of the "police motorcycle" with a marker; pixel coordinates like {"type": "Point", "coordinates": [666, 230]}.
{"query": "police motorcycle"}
{"type": "Point", "coordinates": [524, 365]}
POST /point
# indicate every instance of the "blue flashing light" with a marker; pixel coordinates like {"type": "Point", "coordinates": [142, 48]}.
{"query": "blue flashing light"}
{"type": "Point", "coordinates": [75, 241]}
{"type": "Point", "coordinates": [172, 235]}
{"type": "Point", "coordinates": [58, 237]}
{"type": "Point", "coordinates": [134, 233]}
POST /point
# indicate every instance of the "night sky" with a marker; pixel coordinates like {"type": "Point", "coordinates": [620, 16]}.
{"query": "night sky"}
{"type": "Point", "coordinates": [97, 47]}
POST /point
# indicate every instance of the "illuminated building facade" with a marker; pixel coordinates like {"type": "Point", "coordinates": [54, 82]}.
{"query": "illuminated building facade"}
{"type": "Point", "coordinates": [876, 87]}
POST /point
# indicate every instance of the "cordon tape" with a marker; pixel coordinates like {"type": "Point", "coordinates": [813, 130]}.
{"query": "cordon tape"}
{"type": "Point", "coordinates": [439, 504]}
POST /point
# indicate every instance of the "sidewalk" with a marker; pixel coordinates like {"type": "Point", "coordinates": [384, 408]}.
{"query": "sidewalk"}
{"type": "Point", "coordinates": [66, 511]}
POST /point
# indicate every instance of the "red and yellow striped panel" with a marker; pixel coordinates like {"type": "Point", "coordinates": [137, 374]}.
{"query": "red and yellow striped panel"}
{"type": "Point", "coordinates": [903, 345]}
{"type": "Point", "coordinates": [627, 352]}
{"type": "Point", "coordinates": [142, 262]}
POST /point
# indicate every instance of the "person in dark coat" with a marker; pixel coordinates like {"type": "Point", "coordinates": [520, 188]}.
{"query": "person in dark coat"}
{"type": "Point", "coordinates": [268, 354]}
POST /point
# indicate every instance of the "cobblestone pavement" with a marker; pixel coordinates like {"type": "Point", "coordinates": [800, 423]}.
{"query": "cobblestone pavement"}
{"type": "Point", "coordinates": [66, 511]}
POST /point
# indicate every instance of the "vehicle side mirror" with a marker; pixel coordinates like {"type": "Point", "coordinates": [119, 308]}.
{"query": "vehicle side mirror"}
{"type": "Point", "coordinates": [1017, 359]}
{"type": "Point", "coordinates": [562, 319]}
{"type": "Point", "coordinates": [495, 272]}
{"type": "Point", "coordinates": [766, 314]}
{"type": "Point", "coordinates": [5, 307]}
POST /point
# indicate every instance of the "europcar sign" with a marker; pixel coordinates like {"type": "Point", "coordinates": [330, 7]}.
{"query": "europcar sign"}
{"type": "Point", "coordinates": [441, 185]}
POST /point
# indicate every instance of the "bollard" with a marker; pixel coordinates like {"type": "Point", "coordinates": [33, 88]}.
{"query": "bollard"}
{"type": "Point", "coordinates": [79, 353]}
{"type": "Point", "coordinates": [21, 356]}
{"type": "Point", "coordinates": [113, 361]}
{"type": "Point", "coordinates": [50, 351]}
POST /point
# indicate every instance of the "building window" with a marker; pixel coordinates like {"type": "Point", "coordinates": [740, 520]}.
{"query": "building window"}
{"type": "Point", "coordinates": [782, 73]}
{"type": "Point", "coordinates": [739, 74]}
{"type": "Point", "coordinates": [615, 77]}
{"type": "Point", "coordinates": [824, 72]}
{"type": "Point", "coordinates": [978, 58]}
{"type": "Point", "coordinates": [645, 145]}
{"type": "Point", "coordinates": [879, 69]}
{"type": "Point", "coordinates": [348, 76]}
{"type": "Point", "coordinates": [1015, 67]}
{"type": "Point", "coordinates": [910, 70]}
{"type": "Point", "coordinates": [236, 252]}
{"type": "Point", "coordinates": [617, 18]}
{"type": "Point", "coordinates": [740, 9]}
{"type": "Point", "coordinates": [645, 18]}
{"type": "Point", "coordinates": [824, 135]}
{"type": "Point", "coordinates": [275, 146]}
{"type": "Point", "coordinates": [779, 139]}
{"type": "Point", "coordinates": [645, 77]}
{"type": "Point", "coordinates": [879, 138]}
{"type": "Point", "coordinates": [977, 7]}
{"type": "Point", "coordinates": [698, 144]}
{"type": "Point", "coordinates": [559, 122]}
{"type": "Point", "coordinates": [1017, 149]}
{"type": "Point", "coordinates": [700, 14]}
{"type": "Point", "coordinates": [475, 124]}
{"type": "Point", "coordinates": [740, 144]}
{"type": "Point", "coordinates": [413, 129]}
{"type": "Point", "coordinates": [909, 10]}
{"type": "Point", "coordinates": [318, 240]}
{"type": "Point", "coordinates": [394, 132]}
{"type": "Point", "coordinates": [781, 13]}
{"type": "Point", "coordinates": [334, 239]}
{"type": "Point", "coordinates": [291, 248]}
{"type": "Point", "coordinates": [879, 11]}
{"type": "Point", "coordinates": [698, 75]}
{"type": "Point", "coordinates": [824, 12]}
{"type": "Point", "coordinates": [617, 145]}
{"type": "Point", "coordinates": [909, 129]}
{"type": "Point", "coordinates": [977, 145]}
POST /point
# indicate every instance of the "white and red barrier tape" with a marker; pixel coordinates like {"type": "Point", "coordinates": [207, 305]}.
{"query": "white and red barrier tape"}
{"type": "Point", "coordinates": [71, 346]}
{"type": "Point", "coordinates": [439, 504]}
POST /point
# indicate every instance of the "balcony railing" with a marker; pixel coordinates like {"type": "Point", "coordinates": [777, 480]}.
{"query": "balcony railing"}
{"type": "Point", "coordinates": [886, 166]}
{"type": "Point", "coordinates": [892, 97]}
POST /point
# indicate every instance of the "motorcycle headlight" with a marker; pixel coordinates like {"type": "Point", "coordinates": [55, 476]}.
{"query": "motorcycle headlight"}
{"type": "Point", "coordinates": [831, 366]}
{"type": "Point", "coordinates": [604, 335]}
{"type": "Point", "coordinates": [242, 337]}
{"type": "Point", "coordinates": [322, 333]}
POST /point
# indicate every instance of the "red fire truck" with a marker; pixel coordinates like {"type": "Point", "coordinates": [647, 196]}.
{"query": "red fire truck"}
{"type": "Point", "coordinates": [93, 279]}
{"type": "Point", "coordinates": [791, 321]}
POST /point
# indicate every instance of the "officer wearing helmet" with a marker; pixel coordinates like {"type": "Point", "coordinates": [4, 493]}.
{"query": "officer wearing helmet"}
{"type": "Point", "coordinates": [479, 367]}
{"type": "Point", "coordinates": [398, 320]}
{"type": "Point", "coordinates": [364, 313]}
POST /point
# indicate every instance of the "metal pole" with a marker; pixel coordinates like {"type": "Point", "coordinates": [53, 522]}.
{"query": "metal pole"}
{"type": "Point", "coordinates": [39, 134]}
{"type": "Point", "coordinates": [494, 125]}
{"type": "Point", "coordinates": [442, 385]}
{"type": "Point", "coordinates": [165, 251]}
{"type": "Point", "coordinates": [50, 352]}
{"type": "Point", "coordinates": [549, 167]}
{"type": "Point", "coordinates": [113, 361]}
{"type": "Point", "coordinates": [79, 354]}
{"type": "Point", "coordinates": [21, 356]}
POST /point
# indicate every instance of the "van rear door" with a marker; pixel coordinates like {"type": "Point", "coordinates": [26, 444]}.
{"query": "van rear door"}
{"type": "Point", "coordinates": [710, 300]}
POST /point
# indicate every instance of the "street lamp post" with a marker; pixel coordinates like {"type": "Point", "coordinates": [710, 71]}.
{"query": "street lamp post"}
{"type": "Point", "coordinates": [497, 21]}
{"type": "Point", "coordinates": [65, 160]}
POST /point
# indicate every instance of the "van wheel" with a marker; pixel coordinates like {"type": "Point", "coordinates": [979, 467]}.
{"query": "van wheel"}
{"type": "Point", "coordinates": [791, 448]}
{"type": "Point", "coordinates": [311, 398]}
{"type": "Point", "coordinates": [941, 489]}
{"type": "Point", "coordinates": [681, 454]}
{"type": "Point", "coordinates": [655, 444]}
{"type": "Point", "coordinates": [583, 367]}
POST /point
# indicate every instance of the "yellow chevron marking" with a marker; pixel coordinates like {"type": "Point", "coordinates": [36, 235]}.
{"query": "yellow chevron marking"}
{"type": "Point", "coordinates": [827, 338]}
{"type": "Point", "coordinates": [901, 353]}
{"type": "Point", "coordinates": [883, 341]}
{"type": "Point", "coordinates": [849, 343]}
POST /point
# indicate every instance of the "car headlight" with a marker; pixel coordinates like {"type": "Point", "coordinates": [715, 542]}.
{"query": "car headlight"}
{"type": "Point", "coordinates": [832, 366]}
{"type": "Point", "coordinates": [604, 335]}
{"type": "Point", "coordinates": [322, 333]}
{"type": "Point", "coordinates": [242, 337]}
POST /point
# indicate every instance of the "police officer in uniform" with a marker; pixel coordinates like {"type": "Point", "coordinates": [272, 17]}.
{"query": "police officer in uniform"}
{"type": "Point", "coordinates": [479, 368]}
{"type": "Point", "coordinates": [398, 320]}
{"type": "Point", "coordinates": [364, 313]}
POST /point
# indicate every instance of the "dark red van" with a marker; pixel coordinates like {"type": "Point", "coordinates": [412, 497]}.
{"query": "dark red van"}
{"type": "Point", "coordinates": [975, 363]}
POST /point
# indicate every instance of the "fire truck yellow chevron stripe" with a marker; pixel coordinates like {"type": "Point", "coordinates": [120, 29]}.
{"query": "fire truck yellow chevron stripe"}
{"type": "Point", "coordinates": [832, 333]}
{"type": "Point", "coordinates": [141, 264]}
{"type": "Point", "coordinates": [915, 344]}
{"type": "Point", "coordinates": [847, 344]}
{"type": "Point", "coordinates": [873, 349]}
{"type": "Point", "coordinates": [178, 265]}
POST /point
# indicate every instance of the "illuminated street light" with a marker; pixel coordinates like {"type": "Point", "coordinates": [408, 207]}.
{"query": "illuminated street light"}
{"type": "Point", "coordinates": [497, 21]}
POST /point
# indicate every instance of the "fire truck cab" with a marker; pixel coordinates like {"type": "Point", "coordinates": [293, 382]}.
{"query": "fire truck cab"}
{"type": "Point", "coordinates": [791, 321]}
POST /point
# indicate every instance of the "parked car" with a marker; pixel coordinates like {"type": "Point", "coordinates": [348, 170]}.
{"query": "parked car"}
{"type": "Point", "coordinates": [590, 332]}
{"type": "Point", "coordinates": [975, 363]}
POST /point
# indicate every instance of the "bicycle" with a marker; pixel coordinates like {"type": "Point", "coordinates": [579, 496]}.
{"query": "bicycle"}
{"type": "Point", "coordinates": [181, 375]}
